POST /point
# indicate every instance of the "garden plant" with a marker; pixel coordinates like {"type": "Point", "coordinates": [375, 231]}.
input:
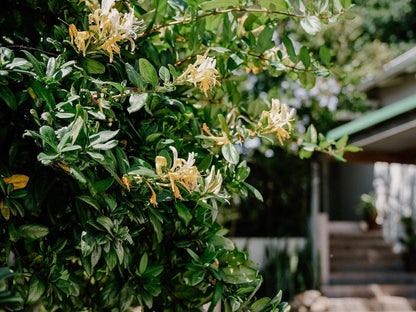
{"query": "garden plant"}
{"type": "Point", "coordinates": [120, 127]}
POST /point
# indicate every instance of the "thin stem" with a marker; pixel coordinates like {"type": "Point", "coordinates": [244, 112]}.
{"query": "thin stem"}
{"type": "Point", "coordinates": [218, 12]}
{"type": "Point", "coordinates": [23, 47]}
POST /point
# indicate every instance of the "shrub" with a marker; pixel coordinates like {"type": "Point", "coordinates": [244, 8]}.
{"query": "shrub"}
{"type": "Point", "coordinates": [119, 125]}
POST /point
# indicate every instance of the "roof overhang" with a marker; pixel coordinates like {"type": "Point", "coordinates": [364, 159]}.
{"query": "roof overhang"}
{"type": "Point", "coordinates": [388, 134]}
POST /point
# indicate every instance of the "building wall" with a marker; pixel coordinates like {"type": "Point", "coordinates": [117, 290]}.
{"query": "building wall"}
{"type": "Point", "coordinates": [400, 90]}
{"type": "Point", "coordinates": [347, 181]}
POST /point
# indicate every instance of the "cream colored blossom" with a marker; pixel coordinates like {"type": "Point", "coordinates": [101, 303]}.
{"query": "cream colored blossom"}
{"type": "Point", "coordinates": [218, 140]}
{"type": "Point", "coordinates": [275, 121]}
{"type": "Point", "coordinates": [213, 182]}
{"type": "Point", "coordinates": [107, 28]}
{"type": "Point", "coordinates": [202, 72]}
{"type": "Point", "coordinates": [80, 38]}
{"type": "Point", "coordinates": [182, 171]}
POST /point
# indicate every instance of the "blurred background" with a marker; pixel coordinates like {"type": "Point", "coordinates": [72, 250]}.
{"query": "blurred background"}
{"type": "Point", "coordinates": [312, 206]}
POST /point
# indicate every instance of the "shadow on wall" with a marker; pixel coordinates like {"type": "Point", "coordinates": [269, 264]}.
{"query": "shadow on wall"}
{"type": "Point", "coordinates": [285, 264]}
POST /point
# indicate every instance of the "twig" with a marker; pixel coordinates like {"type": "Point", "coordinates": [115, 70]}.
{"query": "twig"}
{"type": "Point", "coordinates": [23, 47]}
{"type": "Point", "coordinates": [218, 12]}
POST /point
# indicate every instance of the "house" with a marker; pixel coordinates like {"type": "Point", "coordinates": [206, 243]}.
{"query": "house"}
{"type": "Point", "coordinates": [385, 166]}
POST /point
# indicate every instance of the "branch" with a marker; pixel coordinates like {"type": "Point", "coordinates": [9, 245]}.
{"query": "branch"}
{"type": "Point", "coordinates": [218, 12]}
{"type": "Point", "coordinates": [23, 47]}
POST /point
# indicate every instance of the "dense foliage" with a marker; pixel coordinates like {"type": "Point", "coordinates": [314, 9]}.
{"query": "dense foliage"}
{"type": "Point", "coordinates": [119, 127]}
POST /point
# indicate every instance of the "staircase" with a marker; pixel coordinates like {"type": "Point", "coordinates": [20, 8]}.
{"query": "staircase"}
{"type": "Point", "coordinates": [362, 264]}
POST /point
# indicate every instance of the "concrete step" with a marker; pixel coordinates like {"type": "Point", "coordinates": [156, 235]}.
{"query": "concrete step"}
{"type": "Point", "coordinates": [368, 291]}
{"type": "Point", "coordinates": [358, 243]}
{"type": "Point", "coordinates": [381, 277]}
{"type": "Point", "coordinates": [370, 254]}
{"type": "Point", "coordinates": [349, 265]}
{"type": "Point", "coordinates": [357, 234]}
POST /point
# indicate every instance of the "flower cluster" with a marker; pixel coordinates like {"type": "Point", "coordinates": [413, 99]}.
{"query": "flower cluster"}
{"type": "Point", "coordinates": [202, 72]}
{"type": "Point", "coordinates": [107, 27]}
{"type": "Point", "coordinates": [275, 121]}
{"type": "Point", "coordinates": [182, 172]}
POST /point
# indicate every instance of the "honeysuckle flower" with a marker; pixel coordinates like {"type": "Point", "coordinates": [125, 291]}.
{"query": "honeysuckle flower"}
{"type": "Point", "coordinates": [202, 73]}
{"type": "Point", "coordinates": [107, 27]}
{"type": "Point", "coordinates": [80, 38]}
{"type": "Point", "coordinates": [212, 182]}
{"type": "Point", "coordinates": [275, 121]}
{"type": "Point", "coordinates": [153, 197]}
{"type": "Point", "coordinates": [182, 171]}
{"type": "Point", "coordinates": [218, 140]}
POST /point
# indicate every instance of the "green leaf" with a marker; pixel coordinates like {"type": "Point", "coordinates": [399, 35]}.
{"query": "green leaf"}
{"type": "Point", "coordinates": [352, 148]}
{"type": "Point", "coordinates": [260, 304]}
{"type": "Point", "coordinates": [95, 255]}
{"type": "Point", "coordinates": [289, 48]}
{"type": "Point", "coordinates": [90, 201]}
{"type": "Point", "coordinates": [304, 56]}
{"type": "Point", "coordinates": [157, 226]}
{"type": "Point", "coordinates": [33, 231]}
{"type": "Point", "coordinates": [143, 171]}
{"type": "Point", "coordinates": [254, 191]}
{"type": "Point", "coordinates": [106, 223]}
{"type": "Point", "coordinates": [50, 67]}
{"type": "Point", "coordinates": [164, 74]}
{"type": "Point", "coordinates": [48, 136]}
{"type": "Point", "coordinates": [235, 60]}
{"type": "Point", "coordinates": [137, 101]}
{"type": "Point", "coordinates": [135, 77]}
{"type": "Point", "coordinates": [183, 213]}
{"type": "Point", "coordinates": [325, 54]}
{"type": "Point", "coordinates": [221, 242]}
{"type": "Point", "coordinates": [304, 154]}
{"type": "Point", "coordinates": [341, 143]}
{"type": "Point", "coordinates": [143, 263]}
{"type": "Point", "coordinates": [93, 67]}
{"type": "Point", "coordinates": [216, 4]}
{"type": "Point", "coordinates": [311, 135]}
{"type": "Point", "coordinates": [44, 94]}
{"type": "Point", "coordinates": [239, 275]}
{"type": "Point", "coordinates": [307, 79]}
{"type": "Point", "coordinates": [103, 185]}
{"type": "Point", "coordinates": [217, 296]}
{"type": "Point", "coordinates": [111, 259]}
{"type": "Point", "coordinates": [206, 162]}
{"type": "Point", "coordinates": [230, 153]}
{"type": "Point", "coordinates": [106, 146]}
{"type": "Point", "coordinates": [37, 66]}
{"type": "Point", "coordinates": [102, 137]}
{"type": "Point", "coordinates": [36, 289]}
{"type": "Point", "coordinates": [8, 97]}
{"type": "Point", "coordinates": [311, 24]}
{"type": "Point", "coordinates": [274, 5]}
{"type": "Point", "coordinates": [148, 72]}
{"type": "Point", "coordinates": [265, 40]}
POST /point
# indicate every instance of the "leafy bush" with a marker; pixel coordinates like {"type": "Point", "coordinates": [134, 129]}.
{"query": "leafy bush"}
{"type": "Point", "coordinates": [119, 125]}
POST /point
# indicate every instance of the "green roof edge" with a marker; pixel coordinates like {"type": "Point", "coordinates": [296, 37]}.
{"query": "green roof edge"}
{"type": "Point", "coordinates": [373, 118]}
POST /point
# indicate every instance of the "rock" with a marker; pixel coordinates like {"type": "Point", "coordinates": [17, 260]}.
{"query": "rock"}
{"type": "Point", "coordinates": [319, 305]}
{"type": "Point", "coordinates": [306, 298]}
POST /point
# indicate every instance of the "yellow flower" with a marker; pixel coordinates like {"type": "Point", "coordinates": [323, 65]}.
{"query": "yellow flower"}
{"type": "Point", "coordinates": [275, 120]}
{"type": "Point", "coordinates": [107, 27]}
{"type": "Point", "coordinates": [111, 45]}
{"type": "Point", "coordinates": [80, 37]}
{"type": "Point", "coordinates": [153, 198]}
{"type": "Point", "coordinates": [219, 140]}
{"type": "Point", "coordinates": [202, 72]}
{"type": "Point", "coordinates": [182, 171]}
{"type": "Point", "coordinates": [19, 181]}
